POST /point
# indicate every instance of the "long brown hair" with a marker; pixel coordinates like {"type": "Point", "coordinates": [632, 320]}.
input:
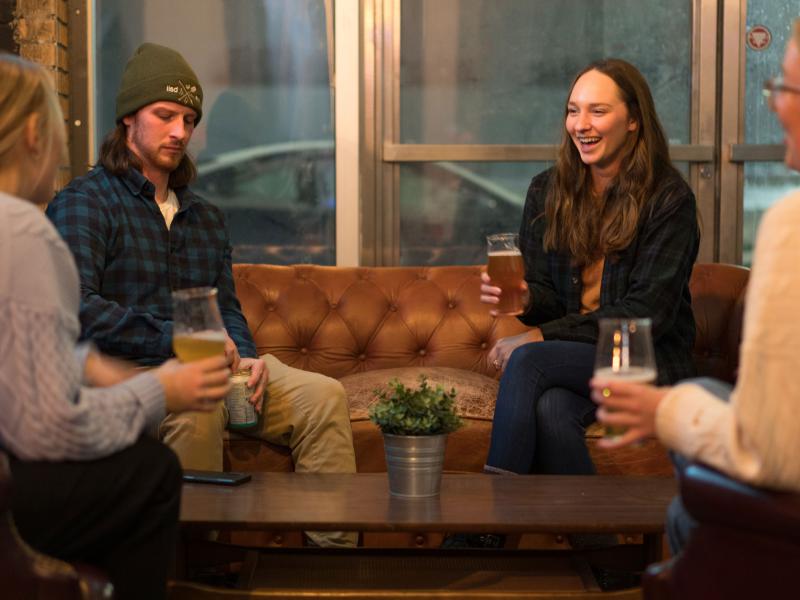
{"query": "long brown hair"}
{"type": "Point", "coordinates": [581, 226]}
{"type": "Point", "coordinates": [117, 159]}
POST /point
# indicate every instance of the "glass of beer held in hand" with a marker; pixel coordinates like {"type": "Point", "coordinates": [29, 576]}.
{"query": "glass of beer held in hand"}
{"type": "Point", "coordinates": [198, 331]}
{"type": "Point", "coordinates": [624, 353]}
{"type": "Point", "coordinates": [507, 271]}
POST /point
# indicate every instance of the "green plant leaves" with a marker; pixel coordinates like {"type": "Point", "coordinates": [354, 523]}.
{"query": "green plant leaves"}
{"type": "Point", "coordinates": [401, 410]}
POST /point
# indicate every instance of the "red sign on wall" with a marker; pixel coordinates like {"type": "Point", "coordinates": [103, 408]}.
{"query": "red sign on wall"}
{"type": "Point", "coordinates": [759, 38]}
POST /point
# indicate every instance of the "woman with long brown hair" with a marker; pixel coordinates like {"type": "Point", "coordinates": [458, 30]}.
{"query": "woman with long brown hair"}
{"type": "Point", "coordinates": [610, 231]}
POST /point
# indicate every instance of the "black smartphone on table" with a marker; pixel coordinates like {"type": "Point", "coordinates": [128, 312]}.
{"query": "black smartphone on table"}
{"type": "Point", "coordinates": [215, 477]}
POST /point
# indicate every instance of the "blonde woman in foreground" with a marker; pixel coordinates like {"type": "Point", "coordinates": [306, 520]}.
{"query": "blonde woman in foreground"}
{"type": "Point", "coordinates": [751, 432]}
{"type": "Point", "coordinates": [87, 485]}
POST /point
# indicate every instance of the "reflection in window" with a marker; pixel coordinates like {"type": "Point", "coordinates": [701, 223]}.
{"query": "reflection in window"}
{"type": "Point", "coordinates": [764, 183]}
{"type": "Point", "coordinates": [488, 72]}
{"type": "Point", "coordinates": [264, 147]}
{"type": "Point", "coordinates": [447, 209]}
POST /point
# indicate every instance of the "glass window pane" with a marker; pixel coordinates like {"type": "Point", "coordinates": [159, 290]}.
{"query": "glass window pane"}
{"type": "Point", "coordinates": [447, 209]}
{"type": "Point", "coordinates": [489, 72]}
{"type": "Point", "coordinates": [264, 147]}
{"type": "Point", "coordinates": [764, 183]}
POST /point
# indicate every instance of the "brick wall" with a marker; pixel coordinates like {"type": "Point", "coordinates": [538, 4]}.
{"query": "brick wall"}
{"type": "Point", "coordinates": [43, 37]}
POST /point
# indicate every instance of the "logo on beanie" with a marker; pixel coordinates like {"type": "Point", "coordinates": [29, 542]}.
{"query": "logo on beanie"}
{"type": "Point", "coordinates": [187, 94]}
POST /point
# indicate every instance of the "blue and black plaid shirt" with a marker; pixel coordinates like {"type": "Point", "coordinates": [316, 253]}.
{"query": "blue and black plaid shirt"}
{"type": "Point", "coordinates": [650, 278]}
{"type": "Point", "coordinates": [129, 262]}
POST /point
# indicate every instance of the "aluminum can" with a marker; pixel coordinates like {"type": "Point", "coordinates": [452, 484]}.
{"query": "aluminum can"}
{"type": "Point", "coordinates": [241, 414]}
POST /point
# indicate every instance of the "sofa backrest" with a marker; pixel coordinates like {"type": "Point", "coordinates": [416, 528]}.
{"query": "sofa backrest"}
{"type": "Point", "coordinates": [718, 293]}
{"type": "Point", "coordinates": [344, 320]}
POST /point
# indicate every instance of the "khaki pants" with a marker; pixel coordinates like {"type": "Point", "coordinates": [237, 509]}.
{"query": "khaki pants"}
{"type": "Point", "coordinates": [307, 412]}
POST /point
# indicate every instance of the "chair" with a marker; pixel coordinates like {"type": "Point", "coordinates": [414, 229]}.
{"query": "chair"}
{"type": "Point", "coordinates": [29, 575]}
{"type": "Point", "coordinates": [746, 545]}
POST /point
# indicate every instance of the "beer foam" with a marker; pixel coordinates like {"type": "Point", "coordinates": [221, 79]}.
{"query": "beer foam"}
{"type": "Point", "coordinates": [209, 335]}
{"type": "Point", "coordinates": [505, 253]}
{"type": "Point", "coordinates": [630, 375]}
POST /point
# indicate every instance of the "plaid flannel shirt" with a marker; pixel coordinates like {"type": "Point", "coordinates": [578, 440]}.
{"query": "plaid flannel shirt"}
{"type": "Point", "coordinates": [650, 278]}
{"type": "Point", "coordinates": [129, 262]}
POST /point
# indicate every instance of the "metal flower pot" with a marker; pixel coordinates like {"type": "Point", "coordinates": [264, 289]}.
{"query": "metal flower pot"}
{"type": "Point", "coordinates": [414, 464]}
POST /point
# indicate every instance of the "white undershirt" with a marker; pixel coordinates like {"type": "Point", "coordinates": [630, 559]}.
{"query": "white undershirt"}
{"type": "Point", "coordinates": [169, 207]}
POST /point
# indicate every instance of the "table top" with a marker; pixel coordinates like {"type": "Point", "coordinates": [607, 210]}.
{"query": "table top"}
{"type": "Point", "coordinates": [468, 502]}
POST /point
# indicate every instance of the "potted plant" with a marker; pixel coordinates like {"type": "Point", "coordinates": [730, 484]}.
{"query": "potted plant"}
{"type": "Point", "coordinates": [415, 424]}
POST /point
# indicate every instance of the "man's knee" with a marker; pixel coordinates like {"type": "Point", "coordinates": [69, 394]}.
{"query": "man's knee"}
{"type": "Point", "coordinates": [193, 423]}
{"type": "Point", "coordinates": [196, 437]}
{"type": "Point", "coordinates": [329, 399]}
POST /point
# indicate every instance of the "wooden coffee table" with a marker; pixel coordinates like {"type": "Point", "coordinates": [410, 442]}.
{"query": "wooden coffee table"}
{"type": "Point", "coordinates": [467, 503]}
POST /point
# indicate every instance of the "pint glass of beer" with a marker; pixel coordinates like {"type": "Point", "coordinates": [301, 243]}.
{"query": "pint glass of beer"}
{"type": "Point", "coordinates": [506, 271]}
{"type": "Point", "coordinates": [624, 353]}
{"type": "Point", "coordinates": [198, 331]}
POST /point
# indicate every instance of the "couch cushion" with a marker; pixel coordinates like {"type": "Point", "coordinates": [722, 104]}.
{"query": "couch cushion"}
{"type": "Point", "coordinates": [475, 398]}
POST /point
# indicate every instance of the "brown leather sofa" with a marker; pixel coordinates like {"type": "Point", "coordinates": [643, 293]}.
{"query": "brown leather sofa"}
{"type": "Point", "coordinates": [365, 326]}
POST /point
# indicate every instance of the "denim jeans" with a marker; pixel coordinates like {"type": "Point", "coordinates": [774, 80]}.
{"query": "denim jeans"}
{"type": "Point", "coordinates": [543, 409]}
{"type": "Point", "coordinates": [679, 522]}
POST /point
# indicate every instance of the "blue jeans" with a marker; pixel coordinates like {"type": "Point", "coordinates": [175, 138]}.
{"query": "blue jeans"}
{"type": "Point", "coordinates": [543, 409]}
{"type": "Point", "coordinates": [679, 522]}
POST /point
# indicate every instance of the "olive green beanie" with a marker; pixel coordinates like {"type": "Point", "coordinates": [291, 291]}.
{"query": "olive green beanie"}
{"type": "Point", "coordinates": [156, 73]}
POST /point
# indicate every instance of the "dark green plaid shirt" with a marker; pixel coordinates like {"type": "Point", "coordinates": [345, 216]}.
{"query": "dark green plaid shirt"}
{"type": "Point", "coordinates": [650, 278]}
{"type": "Point", "coordinates": [129, 262]}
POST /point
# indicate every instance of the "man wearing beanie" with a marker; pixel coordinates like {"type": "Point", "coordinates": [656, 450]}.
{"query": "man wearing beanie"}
{"type": "Point", "coordinates": [138, 232]}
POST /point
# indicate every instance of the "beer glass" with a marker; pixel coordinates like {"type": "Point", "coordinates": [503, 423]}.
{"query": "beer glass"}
{"type": "Point", "coordinates": [507, 271]}
{"type": "Point", "coordinates": [198, 331]}
{"type": "Point", "coordinates": [624, 353]}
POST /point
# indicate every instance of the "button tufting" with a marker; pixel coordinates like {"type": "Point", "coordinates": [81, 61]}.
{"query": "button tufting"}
{"type": "Point", "coordinates": [362, 357]}
{"type": "Point", "coordinates": [303, 350]}
{"type": "Point", "coordinates": [451, 305]}
{"type": "Point", "coordinates": [420, 540]}
{"type": "Point", "coordinates": [575, 280]}
{"type": "Point", "coordinates": [484, 345]}
{"type": "Point", "coordinates": [422, 352]}
{"type": "Point", "coordinates": [271, 307]}
{"type": "Point", "coordinates": [334, 305]}
{"type": "Point", "coordinates": [393, 307]}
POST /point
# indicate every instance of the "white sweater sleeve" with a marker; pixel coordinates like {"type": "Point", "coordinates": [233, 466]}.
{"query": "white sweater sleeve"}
{"type": "Point", "coordinates": [46, 412]}
{"type": "Point", "coordinates": [756, 436]}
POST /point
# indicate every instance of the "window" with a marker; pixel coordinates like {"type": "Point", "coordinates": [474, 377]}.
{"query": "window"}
{"type": "Point", "coordinates": [264, 147]}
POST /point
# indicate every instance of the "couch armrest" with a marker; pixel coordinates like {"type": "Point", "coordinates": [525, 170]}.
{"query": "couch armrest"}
{"type": "Point", "coordinates": [714, 498]}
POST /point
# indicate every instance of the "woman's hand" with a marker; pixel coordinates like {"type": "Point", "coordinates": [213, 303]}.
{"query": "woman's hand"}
{"type": "Point", "coordinates": [631, 405]}
{"type": "Point", "coordinates": [491, 294]}
{"type": "Point", "coordinates": [197, 385]}
{"type": "Point", "coordinates": [498, 356]}
{"type": "Point", "coordinates": [259, 375]}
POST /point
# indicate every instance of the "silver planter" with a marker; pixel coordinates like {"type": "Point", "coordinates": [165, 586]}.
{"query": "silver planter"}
{"type": "Point", "coordinates": [414, 464]}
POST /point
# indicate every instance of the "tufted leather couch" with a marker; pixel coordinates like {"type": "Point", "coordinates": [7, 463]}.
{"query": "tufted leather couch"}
{"type": "Point", "coordinates": [365, 325]}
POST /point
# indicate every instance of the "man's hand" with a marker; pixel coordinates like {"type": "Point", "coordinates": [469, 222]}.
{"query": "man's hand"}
{"type": "Point", "coordinates": [631, 405]}
{"type": "Point", "coordinates": [259, 375]}
{"type": "Point", "coordinates": [491, 294]}
{"type": "Point", "coordinates": [232, 354]}
{"type": "Point", "coordinates": [501, 352]}
{"type": "Point", "coordinates": [197, 385]}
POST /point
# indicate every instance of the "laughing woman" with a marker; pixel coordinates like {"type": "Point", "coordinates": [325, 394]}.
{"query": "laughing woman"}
{"type": "Point", "coordinates": [610, 231]}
